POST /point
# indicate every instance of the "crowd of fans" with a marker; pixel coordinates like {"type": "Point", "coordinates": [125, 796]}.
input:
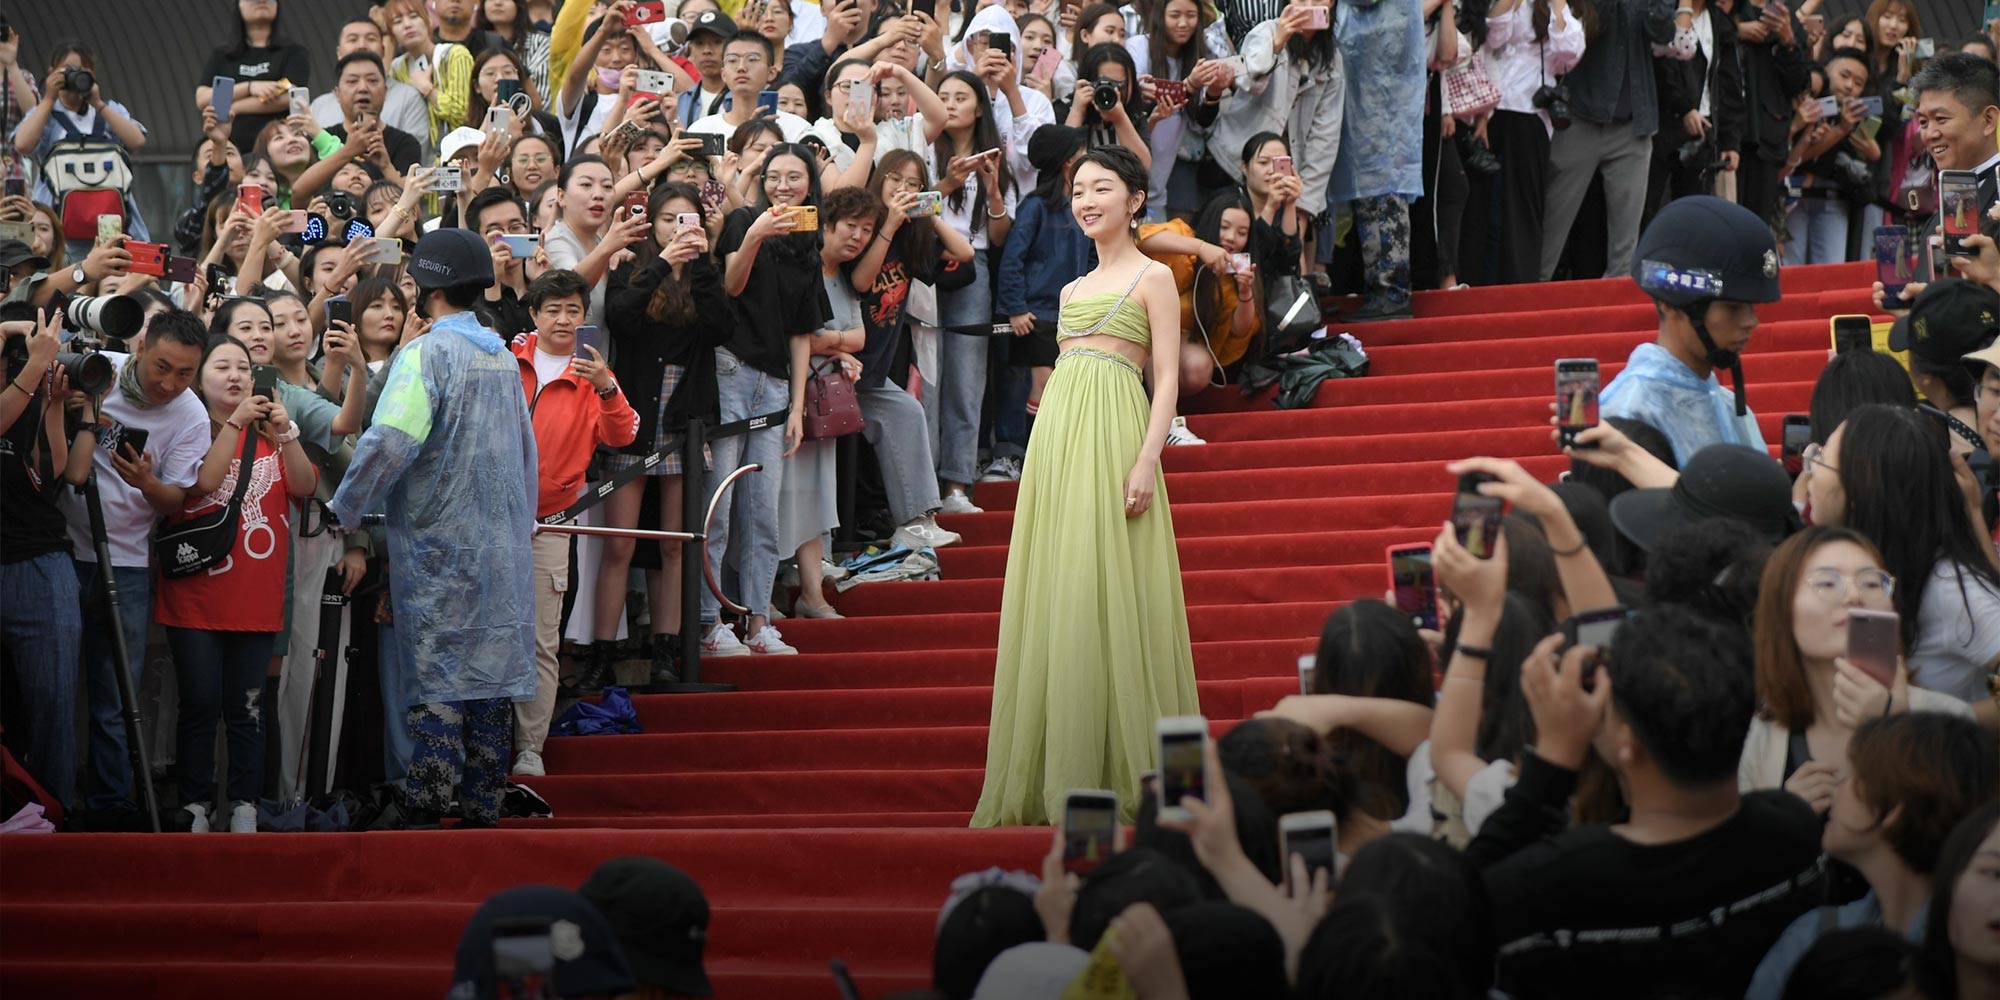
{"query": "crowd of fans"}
{"type": "Point", "coordinates": [713, 213]}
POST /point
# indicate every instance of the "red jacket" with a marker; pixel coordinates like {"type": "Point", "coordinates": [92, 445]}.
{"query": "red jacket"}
{"type": "Point", "coordinates": [570, 422]}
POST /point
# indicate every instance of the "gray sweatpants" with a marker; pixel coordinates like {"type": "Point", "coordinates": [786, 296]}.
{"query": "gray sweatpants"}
{"type": "Point", "coordinates": [1576, 155]}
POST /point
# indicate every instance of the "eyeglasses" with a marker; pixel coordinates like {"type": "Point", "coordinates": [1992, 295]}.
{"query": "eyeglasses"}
{"type": "Point", "coordinates": [1980, 390]}
{"type": "Point", "coordinates": [740, 59]}
{"type": "Point", "coordinates": [1834, 587]}
{"type": "Point", "coordinates": [1816, 455]}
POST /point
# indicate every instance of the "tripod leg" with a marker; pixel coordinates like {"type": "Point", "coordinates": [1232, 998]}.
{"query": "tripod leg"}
{"type": "Point", "coordinates": [135, 742]}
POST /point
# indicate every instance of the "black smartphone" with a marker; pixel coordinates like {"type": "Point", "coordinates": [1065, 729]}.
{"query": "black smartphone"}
{"type": "Point", "coordinates": [1852, 333]}
{"type": "Point", "coordinates": [132, 438]}
{"type": "Point", "coordinates": [339, 310]}
{"type": "Point", "coordinates": [1415, 587]}
{"type": "Point", "coordinates": [1090, 828]}
{"type": "Point", "coordinates": [1475, 518]}
{"type": "Point", "coordinates": [264, 381]}
{"type": "Point", "coordinates": [1576, 399]}
{"type": "Point", "coordinates": [1002, 42]}
{"type": "Point", "coordinates": [181, 269]}
{"type": "Point", "coordinates": [1312, 836]}
{"type": "Point", "coordinates": [928, 7]}
{"type": "Point", "coordinates": [17, 187]}
{"type": "Point", "coordinates": [712, 144]}
{"type": "Point", "coordinates": [504, 90]}
{"type": "Point", "coordinates": [589, 336]}
{"type": "Point", "coordinates": [1872, 643]}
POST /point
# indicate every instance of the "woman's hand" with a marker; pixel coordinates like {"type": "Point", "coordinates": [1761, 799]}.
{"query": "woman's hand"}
{"type": "Point", "coordinates": [353, 566]}
{"type": "Point", "coordinates": [1246, 283]}
{"type": "Point", "coordinates": [1479, 583]}
{"type": "Point", "coordinates": [342, 346]}
{"type": "Point", "coordinates": [210, 128]}
{"type": "Point", "coordinates": [1815, 781]}
{"type": "Point", "coordinates": [414, 326]}
{"type": "Point", "coordinates": [776, 222]}
{"type": "Point", "coordinates": [686, 246]}
{"type": "Point", "coordinates": [795, 433]}
{"type": "Point", "coordinates": [1858, 696]}
{"type": "Point", "coordinates": [850, 366]}
{"type": "Point", "coordinates": [1983, 265]}
{"type": "Point", "coordinates": [896, 212]}
{"type": "Point", "coordinates": [625, 230]}
{"type": "Point", "coordinates": [1515, 486]}
{"type": "Point", "coordinates": [1057, 895]}
{"type": "Point", "coordinates": [279, 418]}
{"type": "Point", "coordinates": [252, 409]}
{"type": "Point", "coordinates": [1023, 323]}
{"type": "Point", "coordinates": [1139, 486]}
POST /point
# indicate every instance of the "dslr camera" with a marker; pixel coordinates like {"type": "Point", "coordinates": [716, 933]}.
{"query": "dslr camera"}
{"type": "Point", "coordinates": [1104, 94]}
{"type": "Point", "coordinates": [78, 80]}
{"type": "Point", "coordinates": [1554, 99]}
{"type": "Point", "coordinates": [91, 319]}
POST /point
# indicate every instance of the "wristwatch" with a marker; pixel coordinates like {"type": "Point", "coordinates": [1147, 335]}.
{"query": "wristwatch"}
{"type": "Point", "coordinates": [78, 275]}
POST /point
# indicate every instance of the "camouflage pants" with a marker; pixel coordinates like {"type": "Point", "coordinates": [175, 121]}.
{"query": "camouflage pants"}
{"type": "Point", "coordinates": [463, 745]}
{"type": "Point", "coordinates": [1382, 226]}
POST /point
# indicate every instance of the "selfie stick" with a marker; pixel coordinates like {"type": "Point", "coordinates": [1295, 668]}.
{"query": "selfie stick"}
{"type": "Point", "coordinates": [142, 768]}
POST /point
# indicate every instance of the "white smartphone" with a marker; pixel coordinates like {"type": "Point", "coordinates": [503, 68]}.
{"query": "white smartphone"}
{"type": "Point", "coordinates": [1183, 770]}
{"type": "Point", "coordinates": [521, 245]}
{"type": "Point", "coordinates": [1306, 664]}
{"type": "Point", "coordinates": [301, 101]}
{"type": "Point", "coordinates": [1311, 835]}
{"type": "Point", "coordinates": [655, 82]}
{"type": "Point", "coordinates": [497, 120]}
{"type": "Point", "coordinates": [387, 250]}
{"type": "Point", "coordinates": [685, 221]}
{"type": "Point", "coordinates": [449, 179]}
{"type": "Point", "coordinates": [861, 98]}
{"type": "Point", "coordinates": [1090, 828]}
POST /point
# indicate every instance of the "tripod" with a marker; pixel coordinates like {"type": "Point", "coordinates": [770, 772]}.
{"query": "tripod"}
{"type": "Point", "coordinates": [135, 737]}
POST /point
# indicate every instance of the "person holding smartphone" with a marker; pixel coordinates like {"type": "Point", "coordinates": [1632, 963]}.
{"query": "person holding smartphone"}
{"type": "Point", "coordinates": [746, 71]}
{"type": "Point", "coordinates": [1833, 161]}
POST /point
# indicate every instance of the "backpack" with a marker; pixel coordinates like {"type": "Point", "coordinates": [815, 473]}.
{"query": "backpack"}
{"type": "Point", "coordinates": [87, 177]}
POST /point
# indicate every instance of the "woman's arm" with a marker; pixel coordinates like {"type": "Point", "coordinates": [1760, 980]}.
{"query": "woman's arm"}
{"type": "Point", "coordinates": [224, 450]}
{"type": "Point", "coordinates": [1163, 313]}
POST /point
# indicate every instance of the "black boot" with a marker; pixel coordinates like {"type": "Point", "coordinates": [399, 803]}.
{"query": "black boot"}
{"type": "Point", "coordinates": [599, 669]}
{"type": "Point", "coordinates": [666, 662]}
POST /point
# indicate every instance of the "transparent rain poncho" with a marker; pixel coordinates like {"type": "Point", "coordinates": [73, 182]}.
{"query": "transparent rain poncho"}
{"type": "Point", "coordinates": [452, 451]}
{"type": "Point", "coordinates": [1656, 388]}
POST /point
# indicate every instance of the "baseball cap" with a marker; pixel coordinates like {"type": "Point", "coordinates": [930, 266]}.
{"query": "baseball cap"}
{"type": "Point", "coordinates": [660, 918]}
{"type": "Point", "coordinates": [451, 258]}
{"type": "Point", "coordinates": [14, 253]}
{"type": "Point", "coordinates": [712, 22]}
{"type": "Point", "coordinates": [459, 140]}
{"type": "Point", "coordinates": [1721, 480]}
{"type": "Point", "coordinates": [1952, 317]}
{"type": "Point", "coordinates": [1979, 360]}
{"type": "Point", "coordinates": [584, 954]}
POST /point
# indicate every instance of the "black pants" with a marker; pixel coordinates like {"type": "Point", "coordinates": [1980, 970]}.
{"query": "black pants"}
{"type": "Point", "coordinates": [1757, 185]}
{"type": "Point", "coordinates": [1501, 243]}
{"type": "Point", "coordinates": [1671, 178]}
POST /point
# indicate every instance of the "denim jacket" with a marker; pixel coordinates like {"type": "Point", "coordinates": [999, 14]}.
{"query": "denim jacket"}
{"type": "Point", "coordinates": [1044, 251]}
{"type": "Point", "coordinates": [1621, 54]}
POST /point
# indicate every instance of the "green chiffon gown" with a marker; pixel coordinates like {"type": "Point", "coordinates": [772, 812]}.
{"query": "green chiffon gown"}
{"type": "Point", "coordinates": [1093, 627]}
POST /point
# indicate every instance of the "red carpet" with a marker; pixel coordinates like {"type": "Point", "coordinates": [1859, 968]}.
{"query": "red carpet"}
{"type": "Point", "coordinates": [823, 806]}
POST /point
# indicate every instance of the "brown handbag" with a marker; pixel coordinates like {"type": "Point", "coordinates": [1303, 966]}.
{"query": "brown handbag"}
{"type": "Point", "coordinates": [832, 409]}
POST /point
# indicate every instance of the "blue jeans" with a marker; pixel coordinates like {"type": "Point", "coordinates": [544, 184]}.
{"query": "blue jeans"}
{"type": "Point", "coordinates": [752, 511]}
{"type": "Point", "coordinates": [109, 783]}
{"type": "Point", "coordinates": [1818, 228]}
{"type": "Point", "coordinates": [221, 678]}
{"type": "Point", "coordinates": [399, 694]}
{"type": "Point", "coordinates": [962, 376]}
{"type": "Point", "coordinates": [1010, 418]}
{"type": "Point", "coordinates": [42, 629]}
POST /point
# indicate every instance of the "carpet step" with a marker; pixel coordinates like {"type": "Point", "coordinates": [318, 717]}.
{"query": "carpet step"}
{"type": "Point", "coordinates": [1201, 588]}
{"type": "Point", "coordinates": [328, 981]}
{"type": "Point", "coordinates": [982, 630]}
{"type": "Point", "coordinates": [1221, 660]}
{"type": "Point", "coordinates": [758, 821]}
{"type": "Point", "coordinates": [1280, 548]}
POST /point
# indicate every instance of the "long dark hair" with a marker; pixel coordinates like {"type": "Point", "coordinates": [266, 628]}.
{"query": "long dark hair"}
{"type": "Point", "coordinates": [1314, 53]}
{"type": "Point", "coordinates": [673, 300]}
{"type": "Point", "coordinates": [1370, 650]}
{"type": "Point", "coordinates": [1093, 60]}
{"type": "Point", "coordinates": [1088, 17]}
{"type": "Point", "coordinates": [915, 243]}
{"type": "Point", "coordinates": [1208, 226]}
{"type": "Point", "coordinates": [1937, 973]}
{"type": "Point", "coordinates": [1902, 495]}
{"type": "Point", "coordinates": [225, 314]}
{"type": "Point", "coordinates": [797, 242]}
{"type": "Point", "coordinates": [1159, 50]}
{"type": "Point", "coordinates": [1853, 380]}
{"type": "Point", "coordinates": [985, 136]}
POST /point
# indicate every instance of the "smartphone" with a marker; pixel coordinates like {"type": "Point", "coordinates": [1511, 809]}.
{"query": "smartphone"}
{"type": "Point", "coordinates": [301, 101]}
{"type": "Point", "coordinates": [295, 221]}
{"type": "Point", "coordinates": [926, 7]}
{"type": "Point", "coordinates": [1410, 579]}
{"type": "Point", "coordinates": [1576, 398]}
{"type": "Point", "coordinates": [180, 269]}
{"type": "Point", "coordinates": [1797, 434]}
{"type": "Point", "coordinates": [1183, 770]}
{"type": "Point", "coordinates": [1239, 263]}
{"type": "Point", "coordinates": [635, 205]}
{"type": "Point", "coordinates": [686, 221]}
{"type": "Point", "coordinates": [1475, 518]}
{"type": "Point", "coordinates": [1937, 263]}
{"type": "Point", "coordinates": [147, 258]}
{"type": "Point", "coordinates": [264, 381]}
{"type": "Point", "coordinates": [521, 245]}
{"type": "Point", "coordinates": [339, 310]}
{"type": "Point", "coordinates": [388, 250]}
{"type": "Point", "coordinates": [498, 119]}
{"type": "Point", "coordinates": [767, 102]}
{"type": "Point", "coordinates": [504, 92]}
{"type": "Point", "coordinates": [589, 336]}
{"type": "Point", "coordinates": [1852, 333]}
{"type": "Point", "coordinates": [1813, 22]}
{"type": "Point", "coordinates": [1872, 643]}
{"type": "Point", "coordinates": [1306, 665]}
{"type": "Point", "coordinates": [1175, 90]}
{"type": "Point", "coordinates": [1895, 265]}
{"type": "Point", "coordinates": [17, 187]}
{"type": "Point", "coordinates": [1873, 104]}
{"type": "Point", "coordinates": [1282, 166]}
{"type": "Point", "coordinates": [450, 180]}
{"type": "Point", "coordinates": [927, 205]}
{"type": "Point", "coordinates": [647, 12]}
{"type": "Point", "coordinates": [1310, 835]}
{"type": "Point", "coordinates": [712, 144]}
{"type": "Point", "coordinates": [109, 228]}
{"type": "Point", "coordinates": [712, 193]}
{"type": "Point", "coordinates": [806, 218]}
{"type": "Point", "coordinates": [1596, 627]}
{"type": "Point", "coordinates": [1316, 18]}
{"type": "Point", "coordinates": [133, 438]}
{"type": "Point", "coordinates": [1001, 42]}
{"type": "Point", "coordinates": [250, 198]}
{"type": "Point", "coordinates": [1958, 206]}
{"type": "Point", "coordinates": [221, 95]}
{"type": "Point", "coordinates": [1046, 63]}
{"type": "Point", "coordinates": [652, 85]}
{"type": "Point", "coordinates": [861, 99]}
{"type": "Point", "coordinates": [1090, 828]}
{"type": "Point", "coordinates": [1925, 48]}
{"type": "Point", "coordinates": [1829, 108]}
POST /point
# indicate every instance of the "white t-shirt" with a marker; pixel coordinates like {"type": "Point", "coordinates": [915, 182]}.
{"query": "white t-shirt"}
{"type": "Point", "coordinates": [1954, 644]}
{"type": "Point", "coordinates": [1484, 794]}
{"type": "Point", "coordinates": [177, 439]}
{"type": "Point", "coordinates": [549, 367]}
{"type": "Point", "coordinates": [794, 127]}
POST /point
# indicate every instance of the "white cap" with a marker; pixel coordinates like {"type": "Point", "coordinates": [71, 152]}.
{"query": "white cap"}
{"type": "Point", "coordinates": [459, 140]}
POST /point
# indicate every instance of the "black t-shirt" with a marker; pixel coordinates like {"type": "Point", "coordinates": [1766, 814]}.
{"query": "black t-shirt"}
{"type": "Point", "coordinates": [885, 356]}
{"type": "Point", "coordinates": [784, 297]}
{"type": "Point", "coordinates": [284, 61]}
{"type": "Point", "coordinates": [33, 525]}
{"type": "Point", "coordinates": [1591, 914]}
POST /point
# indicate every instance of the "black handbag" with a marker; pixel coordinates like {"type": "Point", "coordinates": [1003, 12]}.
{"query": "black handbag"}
{"type": "Point", "coordinates": [199, 542]}
{"type": "Point", "coordinates": [1291, 313]}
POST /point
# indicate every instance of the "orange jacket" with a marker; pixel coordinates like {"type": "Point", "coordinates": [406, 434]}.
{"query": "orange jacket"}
{"type": "Point", "coordinates": [570, 422]}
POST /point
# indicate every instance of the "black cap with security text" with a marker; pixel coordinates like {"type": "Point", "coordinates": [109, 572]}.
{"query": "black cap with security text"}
{"type": "Point", "coordinates": [451, 258]}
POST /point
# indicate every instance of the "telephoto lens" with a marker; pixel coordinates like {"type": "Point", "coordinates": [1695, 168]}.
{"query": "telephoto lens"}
{"type": "Point", "coordinates": [105, 315]}
{"type": "Point", "coordinates": [1105, 93]}
{"type": "Point", "coordinates": [89, 373]}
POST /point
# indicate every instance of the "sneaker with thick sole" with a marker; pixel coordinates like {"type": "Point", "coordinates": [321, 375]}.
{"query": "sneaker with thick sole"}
{"type": "Point", "coordinates": [923, 533]}
{"type": "Point", "coordinates": [1178, 433]}
{"type": "Point", "coordinates": [1005, 469]}
{"type": "Point", "coordinates": [956, 502]}
{"type": "Point", "coordinates": [529, 764]}
{"type": "Point", "coordinates": [767, 642]}
{"type": "Point", "coordinates": [192, 818]}
{"type": "Point", "coordinates": [720, 640]}
{"type": "Point", "coordinates": [243, 818]}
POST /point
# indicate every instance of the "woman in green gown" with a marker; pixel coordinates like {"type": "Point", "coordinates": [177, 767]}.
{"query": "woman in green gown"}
{"type": "Point", "coordinates": [1093, 628]}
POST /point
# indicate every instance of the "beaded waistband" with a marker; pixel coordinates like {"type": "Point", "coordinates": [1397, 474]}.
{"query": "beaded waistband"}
{"type": "Point", "coordinates": [1092, 352]}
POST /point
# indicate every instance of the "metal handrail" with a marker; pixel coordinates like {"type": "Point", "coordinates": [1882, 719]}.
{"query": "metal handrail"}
{"type": "Point", "coordinates": [708, 524]}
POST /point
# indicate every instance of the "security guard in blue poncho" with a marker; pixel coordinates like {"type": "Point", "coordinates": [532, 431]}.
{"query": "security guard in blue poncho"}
{"type": "Point", "coordinates": [452, 452]}
{"type": "Point", "coordinates": [1707, 264]}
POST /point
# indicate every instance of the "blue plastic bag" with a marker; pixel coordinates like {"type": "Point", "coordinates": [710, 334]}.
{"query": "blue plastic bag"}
{"type": "Point", "coordinates": [611, 714]}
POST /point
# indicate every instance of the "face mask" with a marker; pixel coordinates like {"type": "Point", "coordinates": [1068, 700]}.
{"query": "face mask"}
{"type": "Point", "coordinates": [608, 78]}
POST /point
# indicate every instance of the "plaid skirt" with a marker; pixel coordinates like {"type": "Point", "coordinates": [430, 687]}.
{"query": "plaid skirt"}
{"type": "Point", "coordinates": [670, 465]}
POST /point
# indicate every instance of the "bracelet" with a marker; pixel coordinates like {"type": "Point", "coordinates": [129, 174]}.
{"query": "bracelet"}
{"type": "Point", "coordinates": [290, 435]}
{"type": "Point", "coordinates": [608, 391]}
{"type": "Point", "coordinates": [232, 423]}
{"type": "Point", "coordinates": [1582, 543]}
{"type": "Point", "coordinates": [11, 384]}
{"type": "Point", "coordinates": [1472, 652]}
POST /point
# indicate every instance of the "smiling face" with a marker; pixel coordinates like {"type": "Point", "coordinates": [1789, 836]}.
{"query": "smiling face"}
{"type": "Point", "coordinates": [1101, 203]}
{"type": "Point", "coordinates": [1234, 232]}
{"type": "Point", "coordinates": [225, 379]}
{"type": "Point", "coordinates": [1182, 17]}
{"type": "Point", "coordinates": [289, 147]}
{"type": "Point", "coordinates": [786, 181]}
{"type": "Point", "coordinates": [586, 199]}
{"type": "Point", "coordinates": [1957, 137]}
{"type": "Point", "coordinates": [1989, 407]}
{"type": "Point", "coordinates": [905, 179]}
{"type": "Point", "coordinates": [352, 178]}
{"type": "Point", "coordinates": [532, 163]}
{"type": "Point", "coordinates": [291, 331]}
{"type": "Point", "coordinates": [1892, 25]}
{"type": "Point", "coordinates": [251, 324]}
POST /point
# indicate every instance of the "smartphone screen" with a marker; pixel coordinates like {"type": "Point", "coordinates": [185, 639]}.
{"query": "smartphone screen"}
{"type": "Point", "coordinates": [1798, 434]}
{"type": "Point", "coordinates": [1576, 397]}
{"type": "Point", "coordinates": [1307, 669]}
{"type": "Point", "coordinates": [1596, 627]}
{"type": "Point", "coordinates": [1895, 264]}
{"type": "Point", "coordinates": [1002, 43]}
{"type": "Point", "coordinates": [1182, 770]}
{"type": "Point", "coordinates": [1852, 333]}
{"type": "Point", "coordinates": [180, 269]}
{"type": "Point", "coordinates": [1310, 836]}
{"type": "Point", "coordinates": [1872, 643]}
{"type": "Point", "coordinates": [1415, 588]}
{"type": "Point", "coordinates": [589, 336]}
{"type": "Point", "coordinates": [1475, 518]}
{"type": "Point", "coordinates": [1090, 829]}
{"type": "Point", "coordinates": [17, 187]}
{"type": "Point", "coordinates": [1958, 206]}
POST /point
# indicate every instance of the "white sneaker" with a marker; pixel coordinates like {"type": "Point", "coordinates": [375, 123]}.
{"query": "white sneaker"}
{"type": "Point", "coordinates": [767, 642]}
{"type": "Point", "coordinates": [1179, 433]}
{"type": "Point", "coordinates": [956, 502]}
{"type": "Point", "coordinates": [199, 824]}
{"type": "Point", "coordinates": [243, 818]}
{"type": "Point", "coordinates": [1006, 469]}
{"type": "Point", "coordinates": [722, 641]}
{"type": "Point", "coordinates": [924, 533]}
{"type": "Point", "coordinates": [529, 763]}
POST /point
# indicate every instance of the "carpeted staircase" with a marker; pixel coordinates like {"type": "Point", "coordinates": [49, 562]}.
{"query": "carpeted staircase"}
{"type": "Point", "coordinates": [823, 806]}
